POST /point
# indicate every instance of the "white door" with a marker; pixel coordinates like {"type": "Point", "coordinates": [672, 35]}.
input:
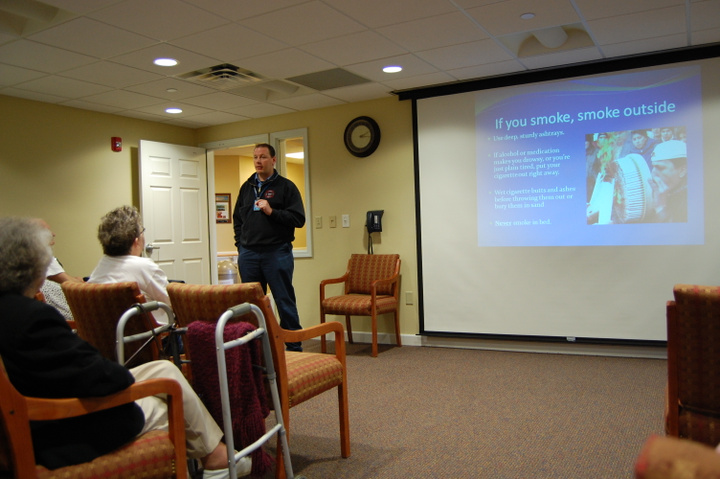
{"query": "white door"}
{"type": "Point", "coordinates": [174, 207]}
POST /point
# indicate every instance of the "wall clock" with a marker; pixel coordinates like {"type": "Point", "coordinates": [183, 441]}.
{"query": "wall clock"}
{"type": "Point", "coordinates": [362, 136]}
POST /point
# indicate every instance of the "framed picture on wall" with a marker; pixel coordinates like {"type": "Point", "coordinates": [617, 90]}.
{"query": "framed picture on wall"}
{"type": "Point", "coordinates": [222, 208]}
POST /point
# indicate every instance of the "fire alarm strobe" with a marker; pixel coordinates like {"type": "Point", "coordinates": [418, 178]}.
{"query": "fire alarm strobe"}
{"type": "Point", "coordinates": [116, 143]}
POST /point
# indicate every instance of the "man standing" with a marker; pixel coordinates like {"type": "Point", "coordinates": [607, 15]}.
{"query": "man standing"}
{"type": "Point", "coordinates": [268, 209]}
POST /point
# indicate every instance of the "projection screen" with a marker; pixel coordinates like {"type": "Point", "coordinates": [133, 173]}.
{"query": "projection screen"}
{"type": "Point", "coordinates": [563, 209]}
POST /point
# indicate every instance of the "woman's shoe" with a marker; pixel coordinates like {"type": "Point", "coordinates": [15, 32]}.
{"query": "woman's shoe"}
{"type": "Point", "coordinates": [243, 466]}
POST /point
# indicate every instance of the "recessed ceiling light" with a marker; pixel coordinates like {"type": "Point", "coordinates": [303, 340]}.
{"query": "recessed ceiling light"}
{"type": "Point", "coordinates": [392, 69]}
{"type": "Point", "coordinates": [298, 156]}
{"type": "Point", "coordinates": [171, 90]}
{"type": "Point", "coordinates": [174, 111]}
{"type": "Point", "coordinates": [165, 62]}
{"type": "Point", "coordinates": [527, 16]}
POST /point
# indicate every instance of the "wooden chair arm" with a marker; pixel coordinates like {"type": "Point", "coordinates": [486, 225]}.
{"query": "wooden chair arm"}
{"type": "Point", "coordinates": [41, 409]}
{"type": "Point", "coordinates": [325, 282]}
{"type": "Point", "coordinates": [318, 330]}
{"type": "Point", "coordinates": [374, 285]}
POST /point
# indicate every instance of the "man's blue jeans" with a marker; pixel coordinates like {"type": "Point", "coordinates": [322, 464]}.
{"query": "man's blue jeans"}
{"type": "Point", "coordinates": [273, 266]}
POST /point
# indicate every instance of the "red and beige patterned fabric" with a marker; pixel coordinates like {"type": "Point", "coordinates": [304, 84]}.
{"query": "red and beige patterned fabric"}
{"type": "Point", "coordinates": [364, 269]}
{"type": "Point", "coordinates": [152, 455]}
{"type": "Point", "coordinates": [300, 376]}
{"type": "Point", "coordinates": [371, 288]}
{"type": "Point", "coordinates": [309, 374]}
{"type": "Point", "coordinates": [693, 410]}
{"type": "Point", "coordinates": [97, 308]}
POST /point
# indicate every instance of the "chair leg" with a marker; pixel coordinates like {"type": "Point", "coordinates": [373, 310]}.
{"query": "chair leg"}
{"type": "Point", "coordinates": [374, 334]}
{"type": "Point", "coordinates": [344, 421]}
{"type": "Point", "coordinates": [323, 341]}
{"type": "Point", "coordinates": [397, 328]}
{"type": "Point", "coordinates": [280, 458]}
{"type": "Point", "coordinates": [349, 329]}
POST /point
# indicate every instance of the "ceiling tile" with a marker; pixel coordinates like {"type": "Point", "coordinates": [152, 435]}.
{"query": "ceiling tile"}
{"type": "Point", "coordinates": [159, 89]}
{"type": "Point", "coordinates": [302, 24]}
{"type": "Point", "coordinates": [487, 70]}
{"type": "Point", "coordinates": [379, 13]}
{"type": "Point", "coordinates": [220, 101]}
{"type": "Point", "coordinates": [562, 58]}
{"type": "Point", "coordinates": [161, 20]}
{"type": "Point", "coordinates": [230, 41]}
{"type": "Point", "coordinates": [465, 55]}
{"type": "Point", "coordinates": [31, 95]}
{"type": "Point", "coordinates": [412, 66]}
{"type": "Point", "coordinates": [419, 81]}
{"type": "Point", "coordinates": [503, 18]}
{"type": "Point", "coordinates": [368, 91]}
{"type": "Point", "coordinates": [285, 64]}
{"type": "Point", "coordinates": [90, 37]}
{"type": "Point", "coordinates": [112, 74]}
{"type": "Point", "coordinates": [644, 46]}
{"type": "Point", "coordinates": [187, 61]}
{"type": "Point", "coordinates": [187, 109]}
{"type": "Point", "coordinates": [308, 102]}
{"type": "Point", "coordinates": [64, 87]}
{"type": "Point", "coordinates": [637, 26]}
{"type": "Point", "coordinates": [110, 44]}
{"type": "Point", "coordinates": [124, 99]}
{"type": "Point", "coordinates": [440, 31]}
{"type": "Point", "coordinates": [593, 10]}
{"type": "Point", "coordinates": [24, 53]}
{"type": "Point", "coordinates": [235, 10]}
{"type": "Point", "coordinates": [705, 15]}
{"type": "Point", "coordinates": [10, 75]}
{"type": "Point", "coordinates": [214, 118]}
{"type": "Point", "coordinates": [261, 110]}
{"type": "Point", "coordinates": [354, 48]}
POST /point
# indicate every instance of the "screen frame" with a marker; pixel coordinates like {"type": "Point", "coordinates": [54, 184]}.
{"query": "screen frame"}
{"type": "Point", "coordinates": [655, 59]}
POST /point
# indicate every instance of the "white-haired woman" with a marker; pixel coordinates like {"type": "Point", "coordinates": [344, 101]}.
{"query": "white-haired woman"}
{"type": "Point", "coordinates": [44, 358]}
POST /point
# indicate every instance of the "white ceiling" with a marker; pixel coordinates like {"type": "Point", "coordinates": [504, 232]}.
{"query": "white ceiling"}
{"type": "Point", "coordinates": [97, 54]}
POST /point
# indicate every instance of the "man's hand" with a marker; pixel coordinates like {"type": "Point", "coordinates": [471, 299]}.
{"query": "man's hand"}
{"type": "Point", "coordinates": [264, 206]}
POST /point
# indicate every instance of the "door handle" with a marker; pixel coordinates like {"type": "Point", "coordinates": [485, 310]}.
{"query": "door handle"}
{"type": "Point", "coordinates": [149, 249]}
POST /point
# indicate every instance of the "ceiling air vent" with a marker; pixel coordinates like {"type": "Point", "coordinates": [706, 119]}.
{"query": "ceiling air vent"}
{"type": "Point", "coordinates": [223, 77]}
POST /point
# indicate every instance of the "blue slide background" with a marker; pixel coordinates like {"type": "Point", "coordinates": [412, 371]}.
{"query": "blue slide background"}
{"type": "Point", "coordinates": [546, 206]}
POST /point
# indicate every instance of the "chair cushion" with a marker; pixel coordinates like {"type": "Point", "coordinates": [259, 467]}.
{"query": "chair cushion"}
{"type": "Point", "coordinates": [309, 374]}
{"type": "Point", "coordinates": [699, 427]}
{"type": "Point", "coordinates": [149, 456]}
{"type": "Point", "coordinates": [358, 304]}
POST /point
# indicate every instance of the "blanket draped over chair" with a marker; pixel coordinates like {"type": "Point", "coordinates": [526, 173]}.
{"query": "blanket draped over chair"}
{"type": "Point", "coordinates": [248, 404]}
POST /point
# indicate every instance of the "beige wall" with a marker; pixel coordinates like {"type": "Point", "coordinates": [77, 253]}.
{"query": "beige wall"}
{"type": "Point", "coordinates": [56, 162]}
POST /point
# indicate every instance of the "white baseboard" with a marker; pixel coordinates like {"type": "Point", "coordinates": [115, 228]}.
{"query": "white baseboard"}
{"type": "Point", "coordinates": [583, 349]}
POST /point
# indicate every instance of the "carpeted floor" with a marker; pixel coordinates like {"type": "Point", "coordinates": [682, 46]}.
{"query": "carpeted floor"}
{"type": "Point", "coordinates": [455, 413]}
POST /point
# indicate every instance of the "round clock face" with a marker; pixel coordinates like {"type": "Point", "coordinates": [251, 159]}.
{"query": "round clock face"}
{"type": "Point", "coordinates": [362, 136]}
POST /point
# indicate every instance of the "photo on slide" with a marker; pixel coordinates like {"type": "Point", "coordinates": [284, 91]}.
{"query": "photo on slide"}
{"type": "Point", "coordinates": [636, 176]}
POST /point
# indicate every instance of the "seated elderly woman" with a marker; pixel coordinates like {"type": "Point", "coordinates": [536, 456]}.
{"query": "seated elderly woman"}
{"type": "Point", "coordinates": [122, 237]}
{"type": "Point", "coordinates": [44, 358]}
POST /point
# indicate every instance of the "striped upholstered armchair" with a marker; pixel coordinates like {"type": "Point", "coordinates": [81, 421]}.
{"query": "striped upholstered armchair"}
{"type": "Point", "coordinates": [371, 288]}
{"type": "Point", "coordinates": [153, 455]}
{"type": "Point", "coordinates": [693, 345]}
{"type": "Point", "coordinates": [301, 376]}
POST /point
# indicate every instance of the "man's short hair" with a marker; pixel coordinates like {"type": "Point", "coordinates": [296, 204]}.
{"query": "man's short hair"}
{"type": "Point", "coordinates": [270, 148]}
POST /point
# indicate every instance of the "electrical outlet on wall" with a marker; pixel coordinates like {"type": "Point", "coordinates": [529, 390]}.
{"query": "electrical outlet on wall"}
{"type": "Point", "coordinates": [346, 221]}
